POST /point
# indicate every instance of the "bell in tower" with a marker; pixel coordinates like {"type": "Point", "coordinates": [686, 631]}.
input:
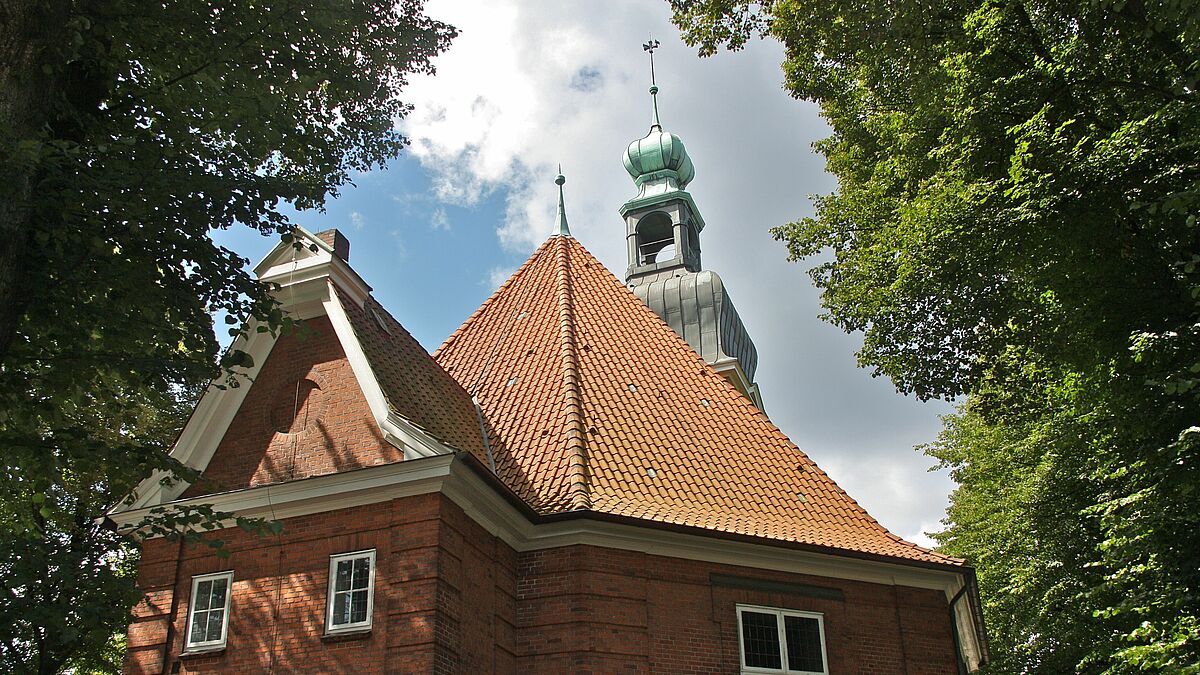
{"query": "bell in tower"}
{"type": "Point", "coordinates": [662, 234]}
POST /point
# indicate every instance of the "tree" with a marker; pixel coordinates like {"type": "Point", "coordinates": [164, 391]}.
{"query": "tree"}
{"type": "Point", "coordinates": [1015, 221]}
{"type": "Point", "coordinates": [68, 578]}
{"type": "Point", "coordinates": [129, 130]}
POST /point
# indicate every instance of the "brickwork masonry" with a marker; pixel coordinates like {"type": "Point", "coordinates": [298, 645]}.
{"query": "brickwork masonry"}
{"type": "Point", "coordinates": [450, 598]}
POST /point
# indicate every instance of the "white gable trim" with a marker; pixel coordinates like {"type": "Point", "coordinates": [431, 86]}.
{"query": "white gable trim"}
{"type": "Point", "coordinates": [282, 251]}
{"type": "Point", "coordinates": [207, 426]}
{"type": "Point", "coordinates": [302, 273]}
{"type": "Point", "coordinates": [731, 369]}
{"type": "Point", "coordinates": [306, 280]}
{"type": "Point", "coordinates": [396, 429]}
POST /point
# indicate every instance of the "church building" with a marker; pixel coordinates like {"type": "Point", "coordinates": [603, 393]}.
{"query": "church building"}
{"type": "Point", "coordinates": [581, 479]}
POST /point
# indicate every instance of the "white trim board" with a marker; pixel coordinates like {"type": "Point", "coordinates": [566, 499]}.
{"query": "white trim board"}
{"type": "Point", "coordinates": [451, 476]}
{"type": "Point", "coordinates": [396, 429]}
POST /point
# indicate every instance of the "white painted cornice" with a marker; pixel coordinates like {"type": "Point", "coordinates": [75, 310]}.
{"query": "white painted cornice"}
{"type": "Point", "coordinates": [314, 495]}
{"type": "Point", "coordinates": [497, 514]}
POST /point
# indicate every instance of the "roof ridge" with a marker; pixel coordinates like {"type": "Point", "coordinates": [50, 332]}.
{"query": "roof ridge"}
{"type": "Point", "coordinates": [579, 488]}
{"type": "Point", "coordinates": [772, 428]}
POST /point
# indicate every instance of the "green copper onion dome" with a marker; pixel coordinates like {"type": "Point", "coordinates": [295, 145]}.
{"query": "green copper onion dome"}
{"type": "Point", "coordinates": [659, 155]}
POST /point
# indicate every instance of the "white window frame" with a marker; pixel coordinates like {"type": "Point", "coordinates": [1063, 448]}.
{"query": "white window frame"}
{"type": "Point", "coordinates": [331, 593]}
{"type": "Point", "coordinates": [780, 614]}
{"type": "Point", "coordinates": [209, 644]}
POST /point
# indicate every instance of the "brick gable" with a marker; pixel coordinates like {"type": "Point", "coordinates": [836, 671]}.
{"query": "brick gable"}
{"type": "Point", "coordinates": [305, 415]}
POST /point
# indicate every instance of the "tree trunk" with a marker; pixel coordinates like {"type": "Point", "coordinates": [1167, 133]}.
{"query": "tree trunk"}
{"type": "Point", "coordinates": [29, 73]}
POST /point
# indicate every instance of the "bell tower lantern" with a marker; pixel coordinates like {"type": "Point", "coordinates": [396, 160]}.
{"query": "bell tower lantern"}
{"type": "Point", "coordinates": [662, 236]}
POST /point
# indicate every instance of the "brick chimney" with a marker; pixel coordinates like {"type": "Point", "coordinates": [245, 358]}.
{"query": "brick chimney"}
{"type": "Point", "coordinates": [338, 242]}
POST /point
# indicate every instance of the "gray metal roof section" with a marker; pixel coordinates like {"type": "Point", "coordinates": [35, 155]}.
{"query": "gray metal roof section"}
{"type": "Point", "coordinates": [697, 306]}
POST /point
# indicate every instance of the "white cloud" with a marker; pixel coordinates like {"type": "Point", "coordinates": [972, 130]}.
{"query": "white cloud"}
{"type": "Point", "coordinates": [921, 535]}
{"type": "Point", "coordinates": [497, 276]}
{"type": "Point", "coordinates": [356, 220]}
{"type": "Point", "coordinates": [527, 85]}
{"type": "Point", "coordinates": [441, 220]}
{"type": "Point", "coordinates": [398, 241]}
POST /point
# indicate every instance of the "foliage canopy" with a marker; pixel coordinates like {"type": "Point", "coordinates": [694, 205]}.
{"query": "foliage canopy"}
{"type": "Point", "coordinates": [129, 130]}
{"type": "Point", "coordinates": [1015, 221]}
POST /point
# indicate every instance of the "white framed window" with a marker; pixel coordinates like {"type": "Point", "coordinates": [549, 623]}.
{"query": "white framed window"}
{"type": "Point", "coordinates": [351, 591]}
{"type": "Point", "coordinates": [208, 616]}
{"type": "Point", "coordinates": [775, 640]}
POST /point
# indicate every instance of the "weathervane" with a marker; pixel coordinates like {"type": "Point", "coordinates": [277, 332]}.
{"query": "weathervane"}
{"type": "Point", "coordinates": [650, 47]}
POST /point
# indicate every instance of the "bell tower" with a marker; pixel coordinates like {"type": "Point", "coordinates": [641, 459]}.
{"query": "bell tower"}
{"type": "Point", "coordinates": [662, 236]}
{"type": "Point", "coordinates": [662, 224]}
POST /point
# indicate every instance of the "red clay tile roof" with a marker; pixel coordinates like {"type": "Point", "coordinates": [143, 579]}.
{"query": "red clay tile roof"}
{"type": "Point", "coordinates": [415, 387]}
{"type": "Point", "coordinates": [594, 403]}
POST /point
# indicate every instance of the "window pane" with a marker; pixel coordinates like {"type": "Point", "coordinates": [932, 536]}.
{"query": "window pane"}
{"type": "Point", "coordinates": [219, 586]}
{"type": "Point", "coordinates": [344, 568]}
{"type": "Point", "coordinates": [215, 619]}
{"type": "Point", "coordinates": [362, 572]}
{"type": "Point", "coordinates": [341, 608]}
{"type": "Point", "coordinates": [760, 640]}
{"type": "Point", "coordinates": [203, 591]}
{"type": "Point", "coordinates": [358, 606]}
{"type": "Point", "coordinates": [803, 636]}
{"type": "Point", "coordinates": [199, 628]}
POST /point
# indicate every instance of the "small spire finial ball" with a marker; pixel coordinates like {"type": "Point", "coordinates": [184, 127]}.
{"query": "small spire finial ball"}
{"type": "Point", "coordinates": [560, 179]}
{"type": "Point", "coordinates": [653, 89]}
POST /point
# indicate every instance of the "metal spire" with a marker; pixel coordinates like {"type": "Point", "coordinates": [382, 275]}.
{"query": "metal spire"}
{"type": "Point", "coordinates": [560, 225]}
{"type": "Point", "coordinates": [650, 47]}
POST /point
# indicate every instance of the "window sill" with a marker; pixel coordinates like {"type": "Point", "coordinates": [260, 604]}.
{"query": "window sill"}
{"type": "Point", "coordinates": [201, 652]}
{"type": "Point", "coordinates": [345, 635]}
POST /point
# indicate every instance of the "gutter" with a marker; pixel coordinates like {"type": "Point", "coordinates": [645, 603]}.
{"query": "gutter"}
{"type": "Point", "coordinates": [970, 591]}
{"type": "Point", "coordinates": [587, 514]}
{"type": "Point", "coordinates": [960, 661]}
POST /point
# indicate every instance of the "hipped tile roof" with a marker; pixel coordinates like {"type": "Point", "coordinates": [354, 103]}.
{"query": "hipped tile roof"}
{"type": "Point", "coordinates": [593, 403]}
{"type": "Point", "coordinates": [413, 385]}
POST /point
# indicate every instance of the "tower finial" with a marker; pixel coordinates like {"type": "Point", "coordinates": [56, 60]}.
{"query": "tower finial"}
{"type": "Point", "coordinates": [560, 225]}
{"type": "Point", "coordinates": [650, 47]}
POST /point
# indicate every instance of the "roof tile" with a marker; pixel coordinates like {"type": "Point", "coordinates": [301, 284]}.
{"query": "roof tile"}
{"type": "Point", "coordinates": [605, 391]}
{"type": "Point", "coordinates": [415, 386]}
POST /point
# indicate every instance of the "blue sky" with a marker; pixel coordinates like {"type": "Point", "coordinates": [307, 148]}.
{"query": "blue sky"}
{"type": "Point", "coordinates": [529, 84]}
{"type": "Point", "coordinates": [427, 261]}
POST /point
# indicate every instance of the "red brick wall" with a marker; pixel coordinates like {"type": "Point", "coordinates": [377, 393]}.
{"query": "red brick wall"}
{"type": "Point", "coordinates": [588, 609]}
{"type": "Point", "coordinates": [304, 415]}
{"type": "Point", "coordinates": [443, 596]}
{"type": "Point", "coordinates": [451, 598]}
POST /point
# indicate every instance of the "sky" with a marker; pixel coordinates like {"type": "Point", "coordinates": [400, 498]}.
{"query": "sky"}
{"type": "Point", "coordinates": [528, 85]}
